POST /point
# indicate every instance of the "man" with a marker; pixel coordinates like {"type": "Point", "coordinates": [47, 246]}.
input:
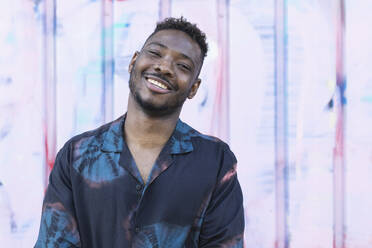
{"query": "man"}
{"type": "Point", "coordinates": [148, 179]}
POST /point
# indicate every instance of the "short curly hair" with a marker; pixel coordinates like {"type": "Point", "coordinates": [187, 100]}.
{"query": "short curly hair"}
{"type": "Point", "coordinates": [190, 29]}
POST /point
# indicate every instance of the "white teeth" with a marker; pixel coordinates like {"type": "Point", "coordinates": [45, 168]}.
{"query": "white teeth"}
{"type": "Point", "coordinates": [157, 83]}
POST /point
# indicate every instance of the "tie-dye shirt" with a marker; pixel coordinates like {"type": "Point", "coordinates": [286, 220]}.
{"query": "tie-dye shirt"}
{"type": "Point", "coordinates": [96, 197]}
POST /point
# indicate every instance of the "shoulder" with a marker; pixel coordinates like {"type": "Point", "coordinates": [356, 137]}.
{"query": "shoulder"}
{"type": "Point", "coordinates": [91, 140]}
{"type": "Point", "coordinates": [209, 145]}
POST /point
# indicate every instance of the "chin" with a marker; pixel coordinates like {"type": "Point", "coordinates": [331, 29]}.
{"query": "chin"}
{"type": "Point", "coordinates": [151, 107]}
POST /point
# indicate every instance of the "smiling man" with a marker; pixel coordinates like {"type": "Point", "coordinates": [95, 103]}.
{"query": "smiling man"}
{"type": "Point", "coordinates": [148, 179]}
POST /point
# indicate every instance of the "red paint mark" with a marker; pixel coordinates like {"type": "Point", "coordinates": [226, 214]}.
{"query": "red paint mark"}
{"type": "Point", "coordinates": [220, 116]}
{"type": "Point", "coordinates": [95, 185]}
{"type": "Point", "coordinates": [338, 151]}
{"type": "Point", "coordinates": [229, 175]}
{"type": "Point", "coordinates": [49, 157]}
{"type": "Point", "coordinates": [71, 222]}
{"type": "Point", "coordinates": [127, 222]}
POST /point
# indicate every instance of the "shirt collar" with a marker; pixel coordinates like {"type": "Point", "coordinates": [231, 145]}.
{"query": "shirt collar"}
{"type": "Point", "coordinates": [113, 138]}
{"type": "Point", "coordinates": [179, 142]}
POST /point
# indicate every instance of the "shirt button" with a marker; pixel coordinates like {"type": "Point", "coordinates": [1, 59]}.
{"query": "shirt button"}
{"type": "Point", "coordinates": [138, 187]}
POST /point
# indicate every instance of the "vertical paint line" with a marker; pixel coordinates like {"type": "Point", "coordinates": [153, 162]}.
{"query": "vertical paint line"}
{"type": "Point", "coordinates": [220, 116]}
{"type": "Point", "coordinates": [49, 81]}
{"type": "Point", "coordinates": [338, 152]}
{"type": "Point", "coordinates": [165, 9]}
{"type": "Point", "coordinates": [281, 190]}
{"type": "Point", "coordinates": [107, 61]}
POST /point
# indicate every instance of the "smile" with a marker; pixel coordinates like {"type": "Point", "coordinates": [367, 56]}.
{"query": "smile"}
{"type": "Point", "coordinates": [157, 83]}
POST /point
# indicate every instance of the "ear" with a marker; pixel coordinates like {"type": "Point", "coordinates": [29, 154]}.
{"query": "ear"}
{"type": "Point", "coordinates": [194, 88]}
{"type": "Point", "coordinates": [132, 61]}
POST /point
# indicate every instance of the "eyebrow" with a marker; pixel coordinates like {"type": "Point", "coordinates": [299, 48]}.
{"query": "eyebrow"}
{"type": "Point", "coordinates": [164, 46]}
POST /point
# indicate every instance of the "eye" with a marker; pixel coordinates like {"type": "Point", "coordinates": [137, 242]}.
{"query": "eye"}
{"type": "Point", "coordinates": [184, 67]}
{"type": "Point", "coordinates": [154, 53]}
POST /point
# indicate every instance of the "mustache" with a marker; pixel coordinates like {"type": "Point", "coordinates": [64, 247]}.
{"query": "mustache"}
{"type": "Point", "coordinates": [158, 75]}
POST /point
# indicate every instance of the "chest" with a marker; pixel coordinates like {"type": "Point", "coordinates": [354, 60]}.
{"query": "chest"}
{"type": "Point", "coordinates": [177, 196]}
{"type": "Point", "coordinates": [145, 159]}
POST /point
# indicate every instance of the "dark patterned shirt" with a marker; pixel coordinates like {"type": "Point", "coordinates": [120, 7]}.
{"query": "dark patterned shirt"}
{"type": "Point", "coordinates": [96, 197]}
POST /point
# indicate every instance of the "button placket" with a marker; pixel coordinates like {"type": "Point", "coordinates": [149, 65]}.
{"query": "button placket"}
{"type": "Point", "coordinates": [139, 187]}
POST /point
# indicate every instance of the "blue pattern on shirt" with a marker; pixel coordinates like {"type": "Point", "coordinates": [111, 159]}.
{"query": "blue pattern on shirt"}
{"type": "Point", "coordinates": [191, 199]}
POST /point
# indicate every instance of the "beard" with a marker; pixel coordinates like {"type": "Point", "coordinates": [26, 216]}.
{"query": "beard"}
{"type": "Point", "coordinates": [169, 107]}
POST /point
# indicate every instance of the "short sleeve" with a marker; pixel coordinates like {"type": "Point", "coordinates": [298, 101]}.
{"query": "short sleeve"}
{"type": "Point", "coordinates": [58, 227]}
{"type": "Point", "coordinates": [223, 224]}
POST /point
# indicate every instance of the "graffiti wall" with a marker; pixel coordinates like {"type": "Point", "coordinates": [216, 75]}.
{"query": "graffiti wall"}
{"type": "Point", "coordinates": [285, 83]}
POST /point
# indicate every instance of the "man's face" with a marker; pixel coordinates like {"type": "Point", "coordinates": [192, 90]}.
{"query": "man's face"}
{"type": "Point", "coordinates": [165, 72]}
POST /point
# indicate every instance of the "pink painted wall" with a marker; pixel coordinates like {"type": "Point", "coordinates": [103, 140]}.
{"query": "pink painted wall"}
{"type": "Point", "coordinates": [59, 80]}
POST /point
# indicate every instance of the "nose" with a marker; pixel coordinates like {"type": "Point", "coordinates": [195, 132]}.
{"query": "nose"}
{"type": "Point", "coordinates": [164, 67]}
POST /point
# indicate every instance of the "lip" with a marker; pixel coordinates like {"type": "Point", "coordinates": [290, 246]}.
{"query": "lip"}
{"type": "Point", "coordinates": [156, 89]}
{"type": "Point", "coordinates": [154, 77]}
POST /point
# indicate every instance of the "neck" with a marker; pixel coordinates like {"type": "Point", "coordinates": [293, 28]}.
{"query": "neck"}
{"type": "Point", "coordinates": [146, 130]}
